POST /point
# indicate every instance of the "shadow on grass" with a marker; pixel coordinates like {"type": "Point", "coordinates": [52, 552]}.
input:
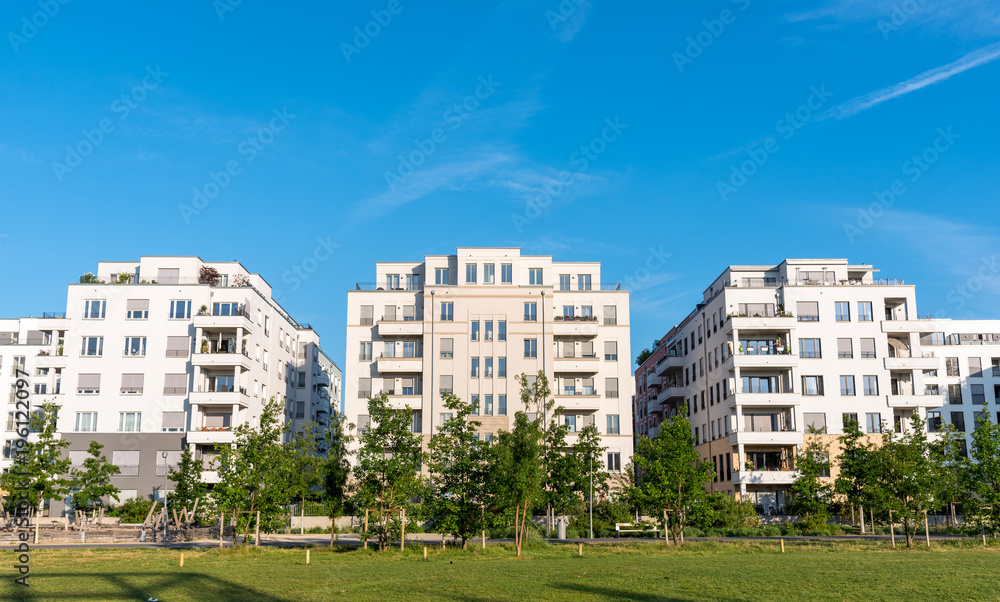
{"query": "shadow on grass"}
{"type": "Point", "coordinates": [143, 586]}
{"type": "Point", "coordinates": [614, 594]}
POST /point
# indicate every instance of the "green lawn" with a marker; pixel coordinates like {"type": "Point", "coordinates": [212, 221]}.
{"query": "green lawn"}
{"type": "Point", "coordinates": [711, 570]}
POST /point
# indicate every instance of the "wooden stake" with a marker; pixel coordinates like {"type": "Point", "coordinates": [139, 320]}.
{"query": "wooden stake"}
{"type": "Point", "coordinates": [425, 552]}
{"type": "Point", "coordinates": [366, 529]}
{"type": "Point", "coordinates": [581, 548]}
{"type": "Point", "coordinates": [182, 559]}
{"type": "Point", "coordinates": [222, 521]}
{"type": "Point", "coordinates": [782, 546]}
{"type": "Point", "coordinates": [402, 541]}
{"type": "Point", "coordinates": [927, 530]}
{"type": "Point", "coordinates": [256, 532]}
{"type": "Point", "coordinates": [892, 532]}
{"type": "Point", "coordinates": [307, 556]}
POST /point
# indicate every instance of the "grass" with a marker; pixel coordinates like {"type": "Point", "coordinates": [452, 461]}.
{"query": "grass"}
{"type": "Point", "coordinates": [627, 571]}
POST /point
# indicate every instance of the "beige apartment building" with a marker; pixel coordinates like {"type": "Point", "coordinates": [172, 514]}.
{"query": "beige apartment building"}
{"type": "Point", "coordinates": [469, 323]}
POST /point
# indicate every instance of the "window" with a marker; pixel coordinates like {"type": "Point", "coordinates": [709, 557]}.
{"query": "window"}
{"type": "Point", "coordinates": [388, 314]}
{"type": "Point", "coordinates": [410, 349]}
{"type": "Point", "coordinates": [470, 273]}
{"type": "Point", "coordinates": [129, 422]}
{"type": "Point", "coordinates": [135, 346]}
{"type": "Point", "coordinates": [958, 419]}
{"type": "Point", "coordinates": [848, 418]}
{"type": "Point", "coordinates": [92, 346]}
{"type": "Point", "coordinates": [367, 315]}
{"type": "Point", "coordinates": [180, 310]}
{"type": "Point", "coordinates": [570, 421]}
{"type": "Point", "coordinates": [611, 388]}
{"type": "Point", "coordinates": [843, 311]}
{"type": "Point", "coordinates": [870, 384]}
{"type": "Point", "coordinates": [611, 351]}
{"type": "Point", "coordinates": [760, 384]}
{"type": "Point", "coordinates": [444, 418]}
{"type": "Point", "coordinates": [475, 330]}
{"type": "Point", "coordinates": [448, 312]}
{"type": "Point", "coordinates": [996, 367]}
{"type": "Point", "coordinates": [132, 384]}
{"type": "Point", "coordinates": [93, 309]}
{"type": "Point", "coordinates": [502, 330]}
{"type": "Point", "coordinates": [178, 346]}
{"type": "Point", "coordinates": [530, 312]}
{"type": "Point", "coordinates": [535, 276]}
{"type": "Point", "coordinates": [530, 348]}
{"type": "Point", "coordinates": [489, 273]}
{"type": "Point", "coordinates": [137, 309]}
{"type": "Point", "coordinates": [389, 349]}
{"type": "Point", "coordinates": [614, 462]}
{"type": "Point", "coordinates": [392, 282]}
{"type": "Point", "coordinates": [567, 311]}
{"type": "Point", "coordinates": [975, 367]}
{"type": "Point", "coordinates": [865, 311]}
{"type": "Point", "coordinates": [409, 313]}
{"type": "Point", "coordinates": [978, 395]}
{"type": "Point", "coordinates": [873, 422]}
{"type": "Point", "coordinates": [86, 422]}
{"type": "Point", "coordinates": [807, 311]}
{"type": "Point", "coordinates": [506, 273]}
{"type": "Point", "coordinates": [613, 425]}
{"type": "Point", "coordinates": [812, 385]}
{"type": "Point", "coordinates": [815, 420]}
{"type": "Point", "coordinates": [474, 372]}
{"type": "Point", "coordinates": [564, 282]}
{"type": "Point", "coordinates": [955, 394]}
{"type": "Point", "coordinates": [583, 282]}
{"type": "Point", "coordinates": [413, 282]}
{"type": "Point", "coordinates": [488, 367]}
{"type": "Point", "coordinates": [174, 384]}
{"type": "Point", "coordinates": [844, 349]}
{"type": "Point", "coordinates": [610, 315]}
{"type": "Point", "coordinates": [501, 405]}
{"type": "Point", "coordinates": [501, 367]}
{"type": "Point", "coordinates": [810, 348]}
{"type": "Point", "coordinates": [847, 385]}
{"type": "Point", "coordinates": [488, 330]}
{"type": "Point", "coordinates": [868, 348]}
{"type": "Point", "coordinates": [587, 311]}
{"type": "Point", "coordinates": [951, 366]}
{"type": "Point", "coordinates": [474, 404]}
{"type": "Point", "coordinates": [447, 348]}
{"type": "Point", "coordinates": [226, 309]}
{"type": "Point", "coordinates": [365, 351]}
{"type": "Point", "coordinates": [933, 421]}
{"type": "Point", "coordinates": [441, 276]}
{"type": "Point", "coordinates": [447, 384]}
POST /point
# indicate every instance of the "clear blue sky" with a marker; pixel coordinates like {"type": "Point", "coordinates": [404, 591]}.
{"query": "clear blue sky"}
{"type": "Point", "coordinates": [696, 92]}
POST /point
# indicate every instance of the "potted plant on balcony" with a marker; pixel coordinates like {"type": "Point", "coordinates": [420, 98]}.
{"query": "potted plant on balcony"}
{"type": "Point", "coordinates": [779, 347]}
{"type": "Point", "coordinates": [749, 466]}
{"type": "Point", "coordinates": [203, 310]}
{"type": "Point", "coordinates": [204, 345]}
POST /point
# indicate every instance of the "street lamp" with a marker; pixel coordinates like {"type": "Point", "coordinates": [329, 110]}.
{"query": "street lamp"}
{"type": "Point", "coordinates": [164, 456]}
{"type": "Point", "coordinates": [592, 494]}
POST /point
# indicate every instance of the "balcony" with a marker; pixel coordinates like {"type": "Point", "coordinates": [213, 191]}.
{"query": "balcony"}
{"type": "Point", "coordinates": [912, 363]}
{"type": "Point", "coordinates": [764, 399]}
{"type": "Point", "coordinates": [766, 438]}
{"type": "Point", "coordinates": [576, 365]}
{"type": "Point", "coordinates": [578, 401]}
{"type": "Point", "coordinates": [668, 392]}
{"type": "Point", "coordinates": [930, 325]}
{"type": "Point", "coordinates": [774, 360]}
{"type": "Point", "coordinates": [389, 365]}
{"type": "Point", "coordinates": [915, 401]}
{"type": "Point", "coordinates": [211, 436]}
{"type": "Point", "coordinates": [220, 398]}
{"type": "Point", "coordinates": [220, 360]}
{"type": "Point", "coordinates": [408, 328]}
{"type": "Point", "coordinates": [401, 402]}
{"type": "Point", "coordinates": [322, 379]}
{"type": "Point", "coordinates": [759, 323]}
{"type": "Point", "coordinates": [240, 320]}
{"type": "Point", "coordinates": [209, 477]}
{"type": "Point", "coordinates": [669, 362]}
{"type": "Point", "coordinates": [765, 477]}
{"type": "Point", "coordinates": [574, 327]}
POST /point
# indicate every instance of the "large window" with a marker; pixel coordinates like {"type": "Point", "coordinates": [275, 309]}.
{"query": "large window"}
{"type": "Point", "coordinates": [530, 312]}
{"type": "Point", "coordinates": [808, 311]}
{"type": "Point", "coordinates": [92, 346]}
{"type": "Point", "coordinates": [610, 315]}
{"type": "Point", "coordinates": [470, 273]}
{"type": "Point", "coordinates": [86, 422]}
{"type": "Point", "coordinates": [978, 394]}
{"type": "Point", "coordinates": [180, 309]}
{"type": "Point", "coordinates": [228, 308]}
{"type": "Point", "coordinates": [847, 385]}
{"type": "Point", "coordinates": [614, 461]}
{"type": "Point", "coordinates": [810, 348]}
{"type": "Point", "coordinates": [502, 330]}
{"type": "Point", "coordinates": [613, 425]}
{"type": "Point", "coordinates": [392, 282]}
{"type": "Point", "coordinates": [448, 312]}
{"type": "Point", "coordinates": [487, 367]}
{"type": "Point", "coordinates": [474, 372]}
{"type": "Point", "coordinates": [135, 346]}
{"type": "Point", "coordinates": [583, 282]}
{"type": "Point", "coordinates": [958, 419]}
{"type": "Point", "coordinates": [474, 330]}
{"type": "Point", "coordinates": [845, 350]}
{"type": "Point", "coordinates": [413, 282]}
{"type": "Point", "coordinates": [506, 273]}
{"type": "Point", "coordinates": [564, 282]}
{"type": "Point", "coordinates": [873, 423]}
{"type": "Point", "coordinates": [865, 311]}
{"type": "Point", "coordinates": [535, 276]}
{"type": "Point", "coordinates": [137, 309]}
{"type": "Point", "coordinates": [530, 348]}
{"type": "Point", "coordinates": [447, 348]}
{"type": "Point", "coordinates": [501, 405]}
{"type": "Point", "coordinates": [501, 367]}
{"type": "Point", "coordinates": [812, 385]}
{"type": "Point", "coordinates": [611, 351]}
{"type": "Point", "coordinates": [365, 351]}
{"type": "Point", "coordinates": [487, 405]}
{"type": "Point", "coordinates": [129, 422]}
{"type": "Point", "coordinates": [951, 366]}
{"type": "Point", "coordinates": [975, 367]}
{"type": "Point", "coordinates": [93, 309]}
{"type": "Point", "coordinates": [611, 388]}
{"type": "Point", "coordinates": [760, 384]}
{"type": "Point", "coordinates": [842, 311]}
{"type": "Point", "coordinates": [868, 348]}
{"type": "Point", "coordinates": [870, 384]}
{"type": "Point", "coordinates": [489, 273]}
{"type": "Point", "coordinates": [488, 330]}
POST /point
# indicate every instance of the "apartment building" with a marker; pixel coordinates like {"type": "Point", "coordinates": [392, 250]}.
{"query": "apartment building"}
{"type": "Point", "coordinates": [160, 353]}
{"type": "Point", "coordinates": [469, 323]}
{"type": "Point", "coordinates": [774, 350]}
{"type": "Point", "coordinates": [645, 407]}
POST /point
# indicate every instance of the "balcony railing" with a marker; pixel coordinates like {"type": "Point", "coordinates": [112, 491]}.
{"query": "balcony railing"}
{"type": "Point", "coordinates": [576, 318]}
{"type": "Point", "coordinates": [128, 470]}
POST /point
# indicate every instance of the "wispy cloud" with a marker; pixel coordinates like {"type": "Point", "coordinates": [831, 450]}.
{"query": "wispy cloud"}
{"type": "Point", "coordinates": [974, 59]}
{"type": "Point", "coordinates": [966, 19]}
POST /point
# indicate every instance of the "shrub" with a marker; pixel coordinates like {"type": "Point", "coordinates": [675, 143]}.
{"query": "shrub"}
{"type": "Point", "coordinates": [132, 510]}
{"type": "Point", "coordinates": [722, 511]}
{"type": "Point", "coordinates": [772, 531]}
{"type": "Point", "coordinates": [606, 514]}
{"type": "Point", "coordinates": [693, 532]}
{"type": "Point", "coordinates": [572, 534]}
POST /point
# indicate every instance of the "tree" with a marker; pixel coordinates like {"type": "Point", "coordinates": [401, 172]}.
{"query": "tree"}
{"type": "Point", "coordinates": [668, 474]}
{"type": "Point", "coordinates": [858, 470]}
{"type": "Point", "coordinates": [518, 470]}
{"type": "Point", "coordinates": [89, 278]}
{"type": "Point", "coordinates": [336, 470]}
{"type": "Point", "coordinates": [388, 468]}
{"type": "Point", "coordinates": [457, 465]}
{"type": "Point", "coordinates": [254, 475]}
{"type": "Point", "coordinates": [305, 466]}
{"type": "Point", "coordinates": [188, 486]}
{"type": "Point", "coordinates": [984, 476]}
{"type": "Point", "coordinates": [562, 470]}
{"type": "Point", "coordinates": [208, 275]}
{"type": "Point", "coordinates": [589, 455]}
{"type": "Point", "coordinates": [40, 468]}
{"type": "Point", "coordinates": [94, 482]}
{"type": "Point", "coordinates": [811, 494]}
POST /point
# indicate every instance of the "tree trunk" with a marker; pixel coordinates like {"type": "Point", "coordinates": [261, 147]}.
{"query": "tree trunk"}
{"type": "Point", "coordinates": [909, 534]}
{"type": "Point", "coordinates": [465, 544]}
{"type": "Point", "coordinates": [333, 532]}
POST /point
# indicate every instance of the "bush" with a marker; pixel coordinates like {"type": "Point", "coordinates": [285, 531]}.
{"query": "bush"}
{"type": "Point", "coordinates": [132, 510]}
{"type": "Point", "coordinates": [573, 534]}
{"type": "Point", "coordinates": [693, 532]}
{"type": "Point", "coordinates": [772, 531]}
{"type": "Point", "coordinates": [722, 511]}
{"type": "Point", "coordinates": [606, 514]}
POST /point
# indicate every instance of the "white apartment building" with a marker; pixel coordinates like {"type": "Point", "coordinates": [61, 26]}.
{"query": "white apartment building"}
{"type": "Point", "coordinates": [772, 350]}
{"type": "Point", "coordinates": [153, 356]}
{"type": "Point", "coordinates": [469, 323]}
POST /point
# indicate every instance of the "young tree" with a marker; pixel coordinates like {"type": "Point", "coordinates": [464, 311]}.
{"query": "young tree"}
{"type": "Point", "coordinates": [388, 469]}
{"type": "Point", "coordinates": [983, 507]}
{"type": "Point", "coordinates": [305, 464]}
{"type": "Point", "coordinates": [254, 474]}
{"type": "Point", "coordinates": [562, 470]}
{"type": "Point", "coordinates": [669, 475]}
{"type": "Point", "coordinates": [188, 486]}
{"type": "Point", "coordinates": [457, 465]}
{"type": "Point", "coordinates": [518, 470]}
{"type": "Point", "coordinates": [336, 470]}
{"type": "Point", "coordinates": [40, 469]}
{"type": "Point", "coordinates": [94, 481]}
{"type": "Point", "coordinates": [589, 455]}
{"type": "Point", "coordinates": [858, 468]}
{"type": "Point", "coordinates": [811, 494]}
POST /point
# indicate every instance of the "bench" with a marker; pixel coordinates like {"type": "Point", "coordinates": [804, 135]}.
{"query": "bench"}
{"type": "Point", "coordinates": [619, 530]}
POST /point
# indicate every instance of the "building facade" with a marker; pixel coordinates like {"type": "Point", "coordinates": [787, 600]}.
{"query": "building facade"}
{"type": "Point", "coordinates": [774, 350]}
{"type": "Point", "coordinates": [469, 323]}
{"type": "Point", "coordinates": [160, 353]}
